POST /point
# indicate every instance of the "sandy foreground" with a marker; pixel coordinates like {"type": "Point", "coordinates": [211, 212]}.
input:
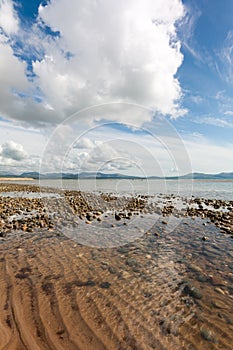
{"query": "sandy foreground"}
{"type": "Point", "coordinates": [165, 290]}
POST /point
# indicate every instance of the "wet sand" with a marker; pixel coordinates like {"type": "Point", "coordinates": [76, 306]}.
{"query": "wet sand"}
{"type": "Point", "coordinates": [168, 289]}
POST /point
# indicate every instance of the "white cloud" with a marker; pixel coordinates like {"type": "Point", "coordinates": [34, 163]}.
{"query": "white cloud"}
{"type": "Point", "coordinates": [106, 52]}
{"type": "Point", "coordinates": [226, 59]}
{"type": "Point", "coordinates": [85, 143]}
{"type": "Point", "coordinates": [135, 61]}
{"type": "Point", "coordinates": [105, 156]}
{"type": "Point", "coordinates": [15, 160]}
{"type": "Point", "coordinates": [215, 122]}
{"type": "Point", "coordinates": [214, 158]}
{"type": "Point", "coordinates": [228, 113]}
{"type": "Point", "coordinates": [8, 18]}
{"type": "Point", "coordinates": [197, 99]}
{"type": "Point", "coordinates": [192, 14]}
{"type": "Point", "coordinates": [13, 150]}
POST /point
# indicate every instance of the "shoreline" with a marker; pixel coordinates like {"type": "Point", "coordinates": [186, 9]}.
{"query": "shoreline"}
{"type": "Point", "coordinates": [104, 179]}
{"type": "Point", "coordinates": [16, 179]}
{"type": "Point", "coordinates": [50, 208]}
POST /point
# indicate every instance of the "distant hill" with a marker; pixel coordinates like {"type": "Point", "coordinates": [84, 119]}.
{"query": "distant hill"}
{"type": "Point", "coordinates": [82, 175]}
{"type": "Point", "coordinates": [202, 176]}
{"type": "Point", "coordinates": [99, 175]}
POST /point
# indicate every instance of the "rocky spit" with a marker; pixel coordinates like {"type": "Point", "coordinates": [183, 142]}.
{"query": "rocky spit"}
{"type": "Point", "coordinates": [19, 210]}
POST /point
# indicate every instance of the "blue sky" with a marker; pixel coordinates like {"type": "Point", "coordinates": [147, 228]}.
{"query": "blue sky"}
{"type": "Point", "coordinates": [159, 75]}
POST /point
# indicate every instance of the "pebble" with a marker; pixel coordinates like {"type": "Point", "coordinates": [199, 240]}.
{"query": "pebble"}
{"type": "Point", "coordinates": [117, 217]}
{"type": "Point", "coordinates": [216, 281]}
{"type": "Point", "coordinates": [105, 285]}
{"type": "Point", "coordinates": [202, 278]}
{"type": "Point", "coordinates": [219, 290]}
{"type": "Point", "coordinates": [112, 269]}
{"type": "Point", "coordinates": [207, 334]}
{"type": "Point", "coordinates": [219, 304]}
{"type": "Point", "coordinates": [131, 262]}
{"type": "Point", "coordinates": [192, 291]}
{"type": "Point", "coordinates": [195, 268]}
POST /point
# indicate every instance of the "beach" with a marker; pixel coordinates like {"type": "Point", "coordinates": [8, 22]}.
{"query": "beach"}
{"type": "Point", "coordinates": [99, 271]}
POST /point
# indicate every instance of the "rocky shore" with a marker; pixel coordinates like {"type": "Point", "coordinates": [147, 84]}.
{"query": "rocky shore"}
{"type": "Point", "coordinates": [19, 210]}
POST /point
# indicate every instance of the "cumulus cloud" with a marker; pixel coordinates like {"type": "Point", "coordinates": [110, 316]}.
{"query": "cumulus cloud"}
{"type": "Point", "coordinates": [15, 160]}
{"type": "Point", "coordinates": [12, 79]}
{"type": "Point", "coordinates": [85, 143]}
{"type": "Point", "coordinates": [8, 17]}
{"type": "Point", "coordinates": [109, 155]}
{"type": "Point", "coordinates": [13, 150]}
{"type": "Point", "coordinates": [122, 51]}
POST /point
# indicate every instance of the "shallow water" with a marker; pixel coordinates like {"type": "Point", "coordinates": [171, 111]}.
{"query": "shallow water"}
{"type": "Point", "coordinates": [23, 194]}
{"type": "Point", "coordinates": [186, 188]}
{"type": "Point", "coordinates": [165, 290]}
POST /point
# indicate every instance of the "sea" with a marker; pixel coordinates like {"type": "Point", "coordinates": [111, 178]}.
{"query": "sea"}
{"type": "Point", "coordinates": [211, 189]}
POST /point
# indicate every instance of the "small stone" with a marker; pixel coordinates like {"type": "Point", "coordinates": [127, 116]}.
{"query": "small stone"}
{"type": "Point", "coordinates": [201, 278]}
{"type": "Point", "coordinates": [219, 290]}
{"type": "Point", "coordinates": [123, 250]}
{"type": "Point", "coordinates": [207, 334]}
{"type": "Point", "coordinates": [219, 304]}
{"type": "Point", "coordinates": [105, 285]}
{"type": "Point", "coordinates": [117, 217]}
{"type": "Point", "coordinates": [147, 295]}
{"type": "Point", "coordinates": [112, 269]}
{"type": "Point", "coordinates": [192, 291]}
{"type": "Point", "coordinates": [131, 262]}
{"type": "Point", "coordinates": [195, 268]}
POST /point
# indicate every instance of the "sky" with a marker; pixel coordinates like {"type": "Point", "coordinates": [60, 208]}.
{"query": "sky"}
{"type": "Point", "coordinates": [131, 87]}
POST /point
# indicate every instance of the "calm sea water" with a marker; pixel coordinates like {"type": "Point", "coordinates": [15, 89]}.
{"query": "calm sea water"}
{"type": "Point", "coordinates": [187, 188]}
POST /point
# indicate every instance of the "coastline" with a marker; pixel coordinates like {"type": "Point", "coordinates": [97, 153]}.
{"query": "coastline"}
{"type": "Point", "coordinates": [163, 290]}
{"type": "Point", "coordinates": [16, 179]}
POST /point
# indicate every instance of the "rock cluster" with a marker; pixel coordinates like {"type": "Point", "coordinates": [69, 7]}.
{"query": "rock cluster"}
{"type": "Point", "coordinates": [49, 207]}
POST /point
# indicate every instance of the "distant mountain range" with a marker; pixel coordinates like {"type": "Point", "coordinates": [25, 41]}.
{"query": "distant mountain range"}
{"type": "Point", "coordinates": [99, 175]}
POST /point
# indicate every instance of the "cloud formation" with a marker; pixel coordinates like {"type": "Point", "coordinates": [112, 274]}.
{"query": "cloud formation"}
{"type": "Point", "coordinates": [13, 150]}
{"type": "Point", "coordinates": [84, 143]}
{"type": "Point", "coordinates": [8, 17]}
{"type": "Point", "coordinates": [226, 59]}
{"type": "Point", "coordinates": [122, 51]}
